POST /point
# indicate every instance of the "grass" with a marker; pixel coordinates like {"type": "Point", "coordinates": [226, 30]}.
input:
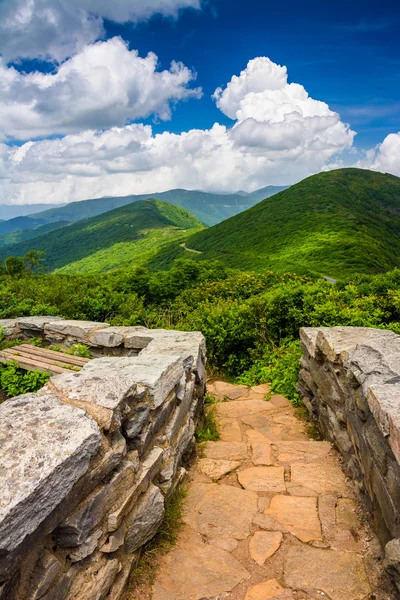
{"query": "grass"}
{"type": "Point", "coordinates": [163, 542]}
{"type": "Point", "coordinates": [208, 430]}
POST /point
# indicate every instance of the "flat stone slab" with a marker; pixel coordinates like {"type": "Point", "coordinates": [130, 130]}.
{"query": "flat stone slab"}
{"type": "Point", "coordinates": [215, 469]}
{"type": "Point", "coordinates": [298, 515]}
{"type": "Point", "coordinates": [290, 452]}
{"type": "Point", "coordinates": [105, 387]}
{"type": "Point", "coordinates": [230, 430]}
{"type": "Point", "coordinates": [264, 544]}
{"type": "Point", "coordinates": [225, 450]}
{"type": "Point", "coordinates": [240, 408]}
{"type": "Point", "coordinates": [263, 479]}
{"type": "Point", "coordinates": [324, 479]}
{"type": "Point", "coordinates": [194, 570]}
{"type": "Point", "coordinates": [36, 323]}
{"type": "Point", "coordinates": [221, 390]}
{"type": "Point", "coordinates": [38, 468]}
{"type": "Point", "coordinates": [265, 591]}
{"type": "Point", "coordinates": [339, 575]}
{"type": "Point", "coordinates": [212, 510]}
{"type": "Point", "coordinates": [261, 450]}
{"type": "Point", "coordinates": [8, 326]}
{"type": "Point", "coordinates": [73, 328]}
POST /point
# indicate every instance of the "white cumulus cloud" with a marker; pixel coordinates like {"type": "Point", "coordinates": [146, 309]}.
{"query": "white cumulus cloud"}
{"type": "Point", "coordinates": [278, 136]}
{"type": "Point", "coordinates": [56, 29]}
{"type": "Point", "coordinates": [385, 157]}
{"type": "Point", "coordinates": [102, 86]}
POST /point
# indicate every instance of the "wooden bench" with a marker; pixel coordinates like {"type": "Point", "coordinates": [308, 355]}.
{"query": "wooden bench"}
{"type": "Point", "coordinates": [33, 358]}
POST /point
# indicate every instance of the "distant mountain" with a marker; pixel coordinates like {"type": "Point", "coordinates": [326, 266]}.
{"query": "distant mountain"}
{"type": "Point", "coordinates": [208, 208]}
{"type": "Point", "coordinates": [332, 224]}
{"type": "Point", "coordinates": [10, 211]}
{"type": "Point", "coordinates": [21, 235]}
{"type": "Point", "coordinates": [124, 236]}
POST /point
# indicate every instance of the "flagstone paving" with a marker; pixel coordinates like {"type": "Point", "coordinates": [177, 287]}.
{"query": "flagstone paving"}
{"type": "Point", "coordinates": [269, 514]}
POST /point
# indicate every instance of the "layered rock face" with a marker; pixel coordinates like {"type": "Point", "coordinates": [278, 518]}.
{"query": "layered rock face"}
{"type": "Point", "coordinates": [87, 464]}
{"type": "Point", "coordinates": [350, 383]}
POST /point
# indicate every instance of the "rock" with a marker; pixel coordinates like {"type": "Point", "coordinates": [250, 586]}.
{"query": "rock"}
{"type": "Point", "coordinates": [265, 591]}
{"type": "Point", "coordinates": [39, 468]}
{"type": "Point", "coordinates": [267, 522]}
{"type": "Point", "coordinates": [115, 540]}
{"type": "Point", "coordinates": [339, 575]}
{"type": "Point", "coordinates": [224, 543]}
{"type": "Point", "coordinates": [212, 510]}
{"type": "Point", "coordinates": [87, 548]}
{"type": "Point", "coordinates": [392, 560]}
{"type": "Point", "coordinates": [298, 515]}
{"type": "Point", "coordinates": [45, 573]}
{"type": "Point", "coordinates": [240, 408]}
{"type": "Point", "coordinates": [230, 430]}
{"type": "Point", "coordinates": [8, 326]}
{"type": "Point", "coordinates": [263, 545]}
{"type": "Point", "coordinates": [150, 468]}
{"type": "Point", "coordinates": [263, 388]}
{"type": "Point", "coordinates": [133, 426]}
{"type": "Point", "coordinates": [346, 514]}
{"type": "Point", "coordinates": [298, 451]}
{"type": "Point", "coordinates": [181, 411]}
{"type": "Point", "coordinates": [105, 387]}
{"type": "Point", "coordinates": [326, 479]}
{"type": "Point", "coordinates": [75, 529]}
{"type": "Point", "coordinates": [118, 590]}
{"type": "Point", "coordinates": [383, 401]}
{"type": "Point", "coordinates": [35, 323]}
{"type": "Point", "coordinates": [222, 390]}
{"type": "Point", "coordinates": [138, 337]}
{"type": "Point", "coordinates": [75, 329]}
{"type": "Point", "coordinates": [94, 582]}
{"type": "Point", "coordinates": [225, 450]}
{"type": "Point", "coordinates": [108, 338]}
{"type": "Point", "coordinates": [215, 469]}
{"type": "Point", "coordinates": [263, 479]}
{"type": "Point", "coordinates": [145, 519]}
{"type": "Point", "coordinates": [194, 570]}
{"type": "Point", "coordinates": [261, 451]}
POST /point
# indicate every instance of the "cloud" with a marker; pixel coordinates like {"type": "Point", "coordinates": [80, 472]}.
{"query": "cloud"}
{"type": "Point", "coordinates": [385, 157]}
{"type": "Point", "coordinates": [104, 85]}
{"type": "Point", "coordinates": [56, 29]}
{"type": "Point", "coordinates": [279, 135]}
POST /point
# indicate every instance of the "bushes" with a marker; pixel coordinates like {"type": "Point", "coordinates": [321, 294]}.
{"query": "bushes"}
{"type": "Point", "coordinates": [15, 381]}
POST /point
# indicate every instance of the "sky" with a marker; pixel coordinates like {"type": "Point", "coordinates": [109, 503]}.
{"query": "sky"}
{"type": "Point", "coordinates": [136, 96]}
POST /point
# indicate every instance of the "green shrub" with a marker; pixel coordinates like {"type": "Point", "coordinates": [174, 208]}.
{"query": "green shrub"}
{"type": "Point", "coordinates": [15, 381]}
{"type": "Point", "coordinates": [81, 350]}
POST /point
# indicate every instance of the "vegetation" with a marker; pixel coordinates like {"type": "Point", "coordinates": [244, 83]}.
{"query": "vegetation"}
{"type": "Point", "coordinates": [122, 225]}
{"type": "Point", "coordinates": [208, 429]}
{"type": "Point", "coordinates": [22, 235]}
{"type": "Point", "coordinates": [334, 224]}
{"type": "Point", "coordinates": [251, 321]}
{"type": "Point", "coordinates": [15, 381]}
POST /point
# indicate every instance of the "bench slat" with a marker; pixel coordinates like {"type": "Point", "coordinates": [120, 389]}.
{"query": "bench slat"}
{"type": "Point", "coordinates": [30, 364]}
{"type": "Point", "coordinates": [52, 354]}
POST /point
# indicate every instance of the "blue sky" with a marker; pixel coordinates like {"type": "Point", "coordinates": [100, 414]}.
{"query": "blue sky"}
{"type": "Point", "coordinates": [133, 96]}
{"type": "Point", "coordinates": [346, 53]}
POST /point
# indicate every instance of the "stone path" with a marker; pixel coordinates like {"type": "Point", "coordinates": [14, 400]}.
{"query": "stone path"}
{"type": "Point", "coordinates": [269, 514]}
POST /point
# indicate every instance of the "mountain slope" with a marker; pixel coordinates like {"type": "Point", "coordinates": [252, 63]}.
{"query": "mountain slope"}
{"type": "Point", "coordinates": [20, 235]}
{"type": "Point", "coordinates": [125, 225]}
{"type": "Point", "coordinates": [334, 223]}
{"type": "Point", "coordinates": [209, 208]}
{"type": "Point", "coordinates": [10, 211]}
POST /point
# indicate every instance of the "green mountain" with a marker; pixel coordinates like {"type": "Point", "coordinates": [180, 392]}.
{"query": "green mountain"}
{"type": "Point", "coordinates": [109, 240]}
{"type": "Point", "coordinates": [332, 224]}
{"type": "Point", "coordinates": [20, 235]}
{"type": "Point", "coordinates": [209, 208]}
{"type": "Point", "coordinates": [10, 211]}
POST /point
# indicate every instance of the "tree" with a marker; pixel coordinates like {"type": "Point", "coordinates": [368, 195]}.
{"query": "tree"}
{"type": "Point", "coordinates": [15, 266]}
{"type": "Point", "coordinates": [34, 260]}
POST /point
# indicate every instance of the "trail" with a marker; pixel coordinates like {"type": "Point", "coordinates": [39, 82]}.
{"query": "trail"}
{"type": "Point", "coordinates": [189, 249]}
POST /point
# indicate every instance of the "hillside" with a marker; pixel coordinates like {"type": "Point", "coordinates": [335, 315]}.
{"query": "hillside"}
{"type": "Point", "coordinates": [151, 223]}
{"type": "Point", "coordinates": [20, 235]}
{"type": "Point", "coordinates": [208, 208]}
{"type": "Point", "coordinates": [10, 211]}
{"type": "Point", "coordinates": [334, 224]}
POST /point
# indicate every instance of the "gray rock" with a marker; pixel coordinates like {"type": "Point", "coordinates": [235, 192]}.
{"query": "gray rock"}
{"type": "Point", "coordinates": [46, 447]}
{"type": "Point", "coordinates": [35, 323]}
{"type": "Point", "coordinates": [392, 560]}
{"type": "Point", "coordinates": [8, 326]}
{"type": "Point", "coordinates": [117, 592]}
{"type": "Point", "coordinates": [145, 520]}
{"type": "Point", "coordinates": [76, 329]}
{"type": "Point", "coordinates": [181, 412]}
{"type": "Point", "coordinates": [135, 423]}
{"type": "Point", "coordinates": [109, 338]}
{"type": "Point", "coordinates": [137, 337]}
{"type": "Point", "coordinates": [87, 548]}
{"type": "Point", "coordinates": [76, 528]}
{"type": "Point", "coordinates": [45, 573]}
{"type": "Point", "coordinates": [115, 540]}
{"type": "Point", "coordinates": [150, 468]}
{"type": "Point", "coordinates": [94, 582]}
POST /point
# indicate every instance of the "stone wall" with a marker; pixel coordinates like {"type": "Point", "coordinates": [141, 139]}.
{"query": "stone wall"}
{"type": "Point", "coordinates": [350, 384]}
{"type": "Point", "coordinates": [87, 464]}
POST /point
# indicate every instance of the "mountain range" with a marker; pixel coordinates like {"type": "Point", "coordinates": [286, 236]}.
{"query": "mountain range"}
{"type": "Point", "coordinates": [332, 224]}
